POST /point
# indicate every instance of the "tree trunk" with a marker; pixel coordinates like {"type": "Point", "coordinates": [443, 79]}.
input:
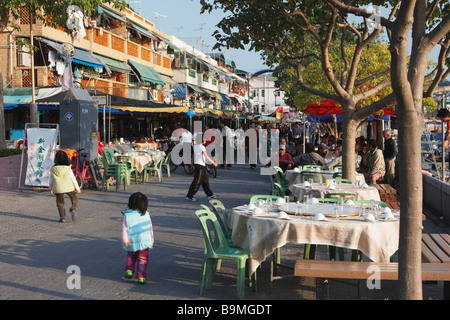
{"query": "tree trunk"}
{"type": "Point", "coordinates": [411, 195]}
{"type": "Point", "coordinates": [410, 124]}
{"type": "Point", "coordinates": [349, 127]}
{"type": "Point", "coordinates": [2, 115]}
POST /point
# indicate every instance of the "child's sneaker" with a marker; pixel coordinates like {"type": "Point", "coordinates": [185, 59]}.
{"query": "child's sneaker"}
{"type": "Point", "coordinates": [74, 216]}
{"type": "Point", "coordinates": [142, 280]}
{"type": "Point", "coordinates": [128, 274]}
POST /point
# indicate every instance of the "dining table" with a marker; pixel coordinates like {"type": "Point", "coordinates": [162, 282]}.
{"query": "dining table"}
{"type": "Point", "coordinates": [294, 177]}
{"type": "Point", "coordinates": [274, 226]}
{"type": "Point", "coordinates": [320, 190]}
{"type": "Point", "coordinates": [141, 159]}
{"type": "Point", "coordinates": [146, 145]}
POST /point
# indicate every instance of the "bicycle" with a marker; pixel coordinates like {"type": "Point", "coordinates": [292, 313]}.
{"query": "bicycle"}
{"type": "Point", "coordinates": [85, 176]}
{"type": "Point", "coordinates": [211, 169]}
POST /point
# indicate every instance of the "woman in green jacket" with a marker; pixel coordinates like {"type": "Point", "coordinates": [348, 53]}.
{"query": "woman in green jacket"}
{"type": "Point", "coordinates": [62, 181]}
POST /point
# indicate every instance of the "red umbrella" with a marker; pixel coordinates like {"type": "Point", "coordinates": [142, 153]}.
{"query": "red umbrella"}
{"type": "Point", "coordinates": [327, 106]}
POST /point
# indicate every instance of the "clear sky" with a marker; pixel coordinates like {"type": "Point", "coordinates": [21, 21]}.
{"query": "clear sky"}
{"type": "Point", "coordinates": [182, 19]}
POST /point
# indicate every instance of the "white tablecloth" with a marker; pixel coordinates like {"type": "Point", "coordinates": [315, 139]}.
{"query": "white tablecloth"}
{"type": "Point", "coordinates": [320, 190]}
{"type": "Point", "coordinates": [142, 159]}
{"type": "Point", "coordinates": [294, 177]}
{"type": "Point", "coordinates": [261, 235]}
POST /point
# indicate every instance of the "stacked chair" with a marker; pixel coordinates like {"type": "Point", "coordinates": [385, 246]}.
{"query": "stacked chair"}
{"type": "Point", "coordinates": [113, 169]}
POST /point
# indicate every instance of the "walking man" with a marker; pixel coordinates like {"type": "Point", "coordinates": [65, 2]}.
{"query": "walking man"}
{"type": "Point", "coordinates": [200, 175]}
{"type": "Point", "coordinates": [390, 154]}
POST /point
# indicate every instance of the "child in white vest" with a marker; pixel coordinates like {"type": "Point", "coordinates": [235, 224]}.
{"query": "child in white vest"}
{"type": "Point", "coordinates": [62, 181]}
{"type": "Point", "coordinates": [137, 236]}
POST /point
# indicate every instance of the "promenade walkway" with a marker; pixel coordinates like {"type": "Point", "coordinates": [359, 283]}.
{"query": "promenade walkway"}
{"type": "Point", "coordinates": [36, 251]}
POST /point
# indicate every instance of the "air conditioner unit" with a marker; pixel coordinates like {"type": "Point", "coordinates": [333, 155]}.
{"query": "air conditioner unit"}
{"type": "Point", "coordinates": [155, 95]}
{"type": "Point", "coordinates": [23, 59]}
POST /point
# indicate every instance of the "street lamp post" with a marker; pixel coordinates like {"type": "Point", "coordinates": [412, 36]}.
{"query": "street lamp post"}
{"type": "Point", "coordinates": [275, 94]}
{"type": "Point", "coordinates": [248, 76]}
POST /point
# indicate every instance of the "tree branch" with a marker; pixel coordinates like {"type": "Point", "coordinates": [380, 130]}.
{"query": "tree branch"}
{"type": "Point", "coordinates": [359, 12]}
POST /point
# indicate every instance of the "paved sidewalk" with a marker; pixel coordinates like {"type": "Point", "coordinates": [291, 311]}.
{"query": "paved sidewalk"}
{"type": "Point", "coordinates": [36, 250]}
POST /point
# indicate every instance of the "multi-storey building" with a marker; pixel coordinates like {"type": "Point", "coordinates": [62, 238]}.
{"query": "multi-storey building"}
{"type": "Point", "coordinates": [152, 78]}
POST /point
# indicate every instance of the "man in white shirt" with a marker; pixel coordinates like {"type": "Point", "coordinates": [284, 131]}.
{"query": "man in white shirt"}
{"type": "Point", "coordinates": [227, 144]}
{"type": "Point", "coordinates": [200, 175]}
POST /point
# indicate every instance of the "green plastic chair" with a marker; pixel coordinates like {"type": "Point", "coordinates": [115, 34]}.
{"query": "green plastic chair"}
{"type": "Point", "coordinates": [280, 178]}
{"type": "Point", "coordinates": [311, 167]}
{"type": "Point", "coordinates": [112, 169]}
{"type": "Point", "coordinates": [255, 198]}
{"type": "Point", "coordinates": [339, 167]}
{"type": "Point", "coordinates": [218, 249]}
{"type": "Point", "coordinates": [278, 190]}
{"type": "Point", "coordinates": [327, 200]}
{"type": "Point", "coordinates": [310, 249]}
{"type": "Point", "coordinates": [315, 176]}
{"type": "Point", "coordinates": [154, 168]}
{"type": "Point", "coordinates": [344, 195]}
{"type": "Point", "coordinates": [273, 189]}
{"type": "Point", "coordinates": [341, 180]}
{"type": "Point", "coordinates": [368, 202]}
{"type": "Point", "coordinates": [131, 168]}
{"type": "Point", "coordinates": [222, 215]}
{"type": "Point", "coordinates": [166, 163]}
{"type": "Point", "coordinates": [337, 174]}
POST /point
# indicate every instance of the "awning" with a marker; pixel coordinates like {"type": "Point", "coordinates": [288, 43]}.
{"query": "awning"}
{"type": "Point", "coordinates": [153, 110]}
{"type": "Point", "coordinates": [168, 80]}
{"type": "Point", "coordinates": [17, 99]}
{"type": "Point", "coordinates": [195, 88]}
{"type": "Point", "coordinates": [225, 98]}
{"type": "Point", "coordinates": [180, 91]}
{"type": "Point", "coordinates": [114, 64]}
{"type": "Point", "coordinates": [209, 93]}
{"type": "Point", "coordinates": [171, 45]}
{"type": "Point", "coordinates": [104, 10]}
{"type": "Point", "coordinates": [81, 56]}
{"type": "Point", "coordinates": [141, 30]}
{"type": "Point", "coordinates": [147, 74]}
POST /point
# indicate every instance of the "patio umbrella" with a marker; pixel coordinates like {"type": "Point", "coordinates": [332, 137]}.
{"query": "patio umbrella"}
{"type": "Point", "coordinates": [326, 106]}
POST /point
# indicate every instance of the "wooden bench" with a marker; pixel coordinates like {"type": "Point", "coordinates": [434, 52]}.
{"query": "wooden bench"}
{"type": "Point", "coordinates": [436, 248]}
{"type": "Point", "coordinates": [324, 269]}
{"type": "Point", "coordinates": [435, 266]}
{"type": "Point", "coordinates": [387, 192]}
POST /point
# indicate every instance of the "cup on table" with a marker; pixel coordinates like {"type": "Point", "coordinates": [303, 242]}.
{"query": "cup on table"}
{"type": "Point", "coordinates": [335, 213]}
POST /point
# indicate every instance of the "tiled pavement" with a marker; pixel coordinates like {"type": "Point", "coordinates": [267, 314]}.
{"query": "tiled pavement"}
{"type": "Point", "coordinates": [36, 252]}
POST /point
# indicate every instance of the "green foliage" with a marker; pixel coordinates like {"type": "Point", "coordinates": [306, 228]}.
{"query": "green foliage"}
{"type": "Point", "coordinates": [52, 12]}
{"type": "Point", "coordinates": [291, 36]}
{"type": "Point", "coordinates": [5, 152]}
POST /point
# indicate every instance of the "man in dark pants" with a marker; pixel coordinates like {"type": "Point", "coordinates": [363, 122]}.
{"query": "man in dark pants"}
{"type": "Point", "coordinates": [390, 154]}
{"type": "Point", "coordinates": [200, 175]}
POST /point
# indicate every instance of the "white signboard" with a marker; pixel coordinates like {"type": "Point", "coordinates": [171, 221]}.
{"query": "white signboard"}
{"type": "Point", "coordinates": [41, 154]}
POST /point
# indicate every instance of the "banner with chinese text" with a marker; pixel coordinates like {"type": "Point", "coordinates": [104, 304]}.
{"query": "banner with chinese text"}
{"type": "Point", "coordinates": [41, 154]}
